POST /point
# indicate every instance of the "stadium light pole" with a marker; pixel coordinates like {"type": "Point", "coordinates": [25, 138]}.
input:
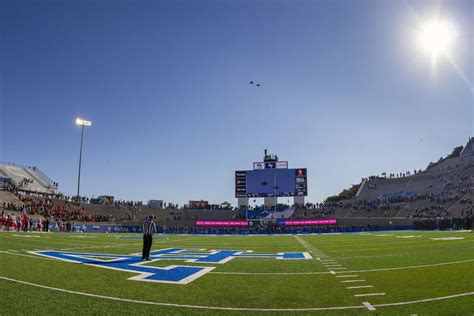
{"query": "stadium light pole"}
{"type": "Point", "coordinates": [82, 123]}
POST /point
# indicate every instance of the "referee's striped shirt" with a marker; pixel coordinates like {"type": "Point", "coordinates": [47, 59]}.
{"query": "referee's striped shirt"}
{"type": "Point", "coordinates": [149, 227]}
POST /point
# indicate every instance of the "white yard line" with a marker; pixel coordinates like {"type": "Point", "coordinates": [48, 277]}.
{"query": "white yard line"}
{"type": "Point", "coordinates": [310, 248]}
{"type": "Point", "coordinates": [359, 287]}
{"type": "Point", "coordinates": [369, 294]}
{"type": "Point", "coordinates": [352, 281]}
{"type": "Point", "coordinates": [270, 273]}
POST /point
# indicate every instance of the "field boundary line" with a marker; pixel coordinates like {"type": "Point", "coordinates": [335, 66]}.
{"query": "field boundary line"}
{"type": "Point", "coordinates": [353, 271]}
{"type": "Point", "coordinates": [179, 305]}
{"type": "Point", "coordinates": [406, 253]}
{"type": "Point", "coordinates": [49, 241]}
{"type": "Point", "coordinates": [336, 246]}
{"type": "Point", "coordinates": [22, 255]}
{"type": "Point", "coordinates": [401, 246]}
{"type": "Point", "coordinates": [233, 308]}
{"type": "Point", "coordinates": [411, 267]}
{"type": "Point", "coordinates": [63, 240]}
{"type": "Point", "coordinates": [425, 300]}
{"type": "Point", "coordinates": [81, 247]}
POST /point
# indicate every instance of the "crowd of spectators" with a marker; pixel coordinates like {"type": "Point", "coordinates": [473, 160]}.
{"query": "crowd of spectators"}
{"type": "Point", "coordinates": [21, 222]}
{"type": "Point", "coordinates": [444, 223]}
{"type": "Point", "coordinates": [174, 216]}
{"type": "Point", "coordinates": [434, 211]}
{"type": "Point", "coordinates": [47, 208]}
{"type": "Point", "coordinates": [122, 203]}
{"type": "Point", "coordinates": [211, 207]}
{"type": "Point", "coordinates": [312, 213]}
{"type": "Point", "coordinates": [401, 174]}
{"type": "Point", "coordinates": [264, 229]}
{"type": "Point", "coordinates": [28, 196]}
{"type": "Point", "coordinates": [24, 183]}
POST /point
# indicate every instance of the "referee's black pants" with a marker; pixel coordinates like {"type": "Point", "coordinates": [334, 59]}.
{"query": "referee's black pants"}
{"type": "Point", "coordinates": [147, 241]}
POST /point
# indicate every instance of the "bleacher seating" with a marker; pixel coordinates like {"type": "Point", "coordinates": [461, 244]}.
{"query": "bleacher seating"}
{"type": "Point", "coordinates": [37, 181]}
{"type": "Point", "coordinates": [451, 172]}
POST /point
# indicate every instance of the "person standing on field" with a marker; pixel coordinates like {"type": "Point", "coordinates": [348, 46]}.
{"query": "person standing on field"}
{"type": "Point", "coordinates": [149, 228]}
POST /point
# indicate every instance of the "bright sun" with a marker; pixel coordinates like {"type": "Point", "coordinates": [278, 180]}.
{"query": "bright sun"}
{"type": "Point", "coordinates": [436, 37]}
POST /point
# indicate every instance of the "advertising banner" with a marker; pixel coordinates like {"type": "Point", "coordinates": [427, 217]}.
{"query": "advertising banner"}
{"type": "Point", "coordinates": [308, 222]}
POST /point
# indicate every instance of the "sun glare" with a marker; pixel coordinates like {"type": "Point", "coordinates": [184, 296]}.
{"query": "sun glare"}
{"type": "Point", "coordinates": [436, 38]}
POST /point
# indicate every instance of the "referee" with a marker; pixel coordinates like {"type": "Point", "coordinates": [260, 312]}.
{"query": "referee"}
{"type": "Point", "coordinates": [149, 228]}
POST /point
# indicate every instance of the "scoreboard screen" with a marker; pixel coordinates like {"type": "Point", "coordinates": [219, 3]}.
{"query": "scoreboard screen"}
{"type": "Point", "coordinates": [271, 182]}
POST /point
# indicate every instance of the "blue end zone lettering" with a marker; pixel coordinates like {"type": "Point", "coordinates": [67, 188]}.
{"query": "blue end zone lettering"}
{"type": "Point", "coordinates": [176, 274]}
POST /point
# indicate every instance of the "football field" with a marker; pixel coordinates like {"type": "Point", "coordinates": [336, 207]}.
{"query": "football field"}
{"type": "Point", "coordinates": [383, 273]}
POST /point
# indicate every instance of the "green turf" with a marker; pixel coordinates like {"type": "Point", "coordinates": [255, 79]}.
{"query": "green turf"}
{"type": "Point", "coordinates": [405, 269]}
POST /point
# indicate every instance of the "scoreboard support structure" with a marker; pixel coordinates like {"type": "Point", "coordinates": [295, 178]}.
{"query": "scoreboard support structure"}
{"type": "Point", "coordinates": [243, 202]}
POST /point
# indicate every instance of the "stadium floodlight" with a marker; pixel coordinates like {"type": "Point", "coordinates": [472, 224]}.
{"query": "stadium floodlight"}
{"type": "Point", "coordinates": [81, 123]}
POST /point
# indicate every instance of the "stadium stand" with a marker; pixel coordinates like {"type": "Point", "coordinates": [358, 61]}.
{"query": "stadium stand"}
{"type": "Point", "coordinates": [442, 193]}
{"type": "Point", "coordinates": [29, 179]}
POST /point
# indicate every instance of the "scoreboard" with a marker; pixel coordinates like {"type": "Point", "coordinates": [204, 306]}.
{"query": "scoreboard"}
{"type": "Point", "coordinates": [271, 182]}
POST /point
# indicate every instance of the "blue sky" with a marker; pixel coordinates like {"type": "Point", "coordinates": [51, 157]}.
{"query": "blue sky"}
{"type": "Point", "coordinates": [345, 91]}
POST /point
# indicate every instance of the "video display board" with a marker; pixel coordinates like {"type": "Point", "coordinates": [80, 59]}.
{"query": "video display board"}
{"type": "Point", "coordinates": [271, 182]}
